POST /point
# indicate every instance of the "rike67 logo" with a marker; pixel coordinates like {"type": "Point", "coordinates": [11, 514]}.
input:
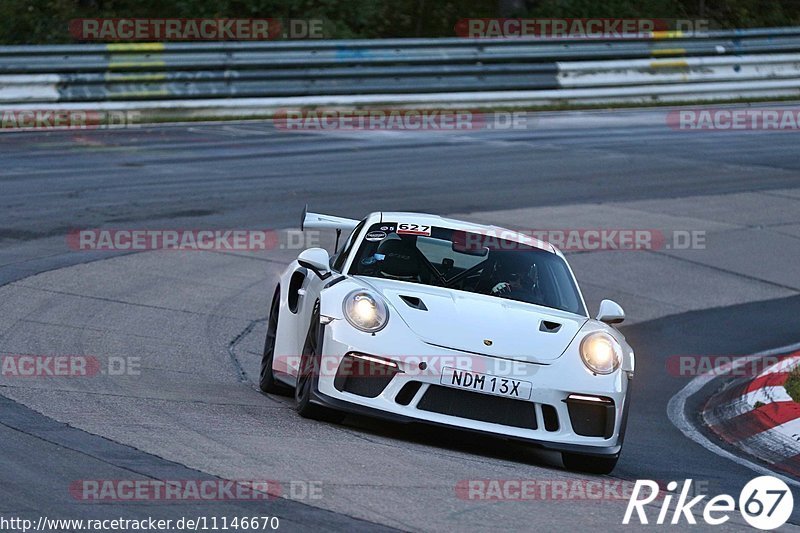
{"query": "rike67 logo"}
{"type": "Point", "coordinates": [765, 503]}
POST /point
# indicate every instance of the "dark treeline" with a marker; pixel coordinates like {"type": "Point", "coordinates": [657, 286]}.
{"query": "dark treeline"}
{"type": "Point", "coordinates": [46, 21]}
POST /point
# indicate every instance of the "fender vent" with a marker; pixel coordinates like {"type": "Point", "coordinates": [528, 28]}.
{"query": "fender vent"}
{"type": "Point", "coordinates": [413, 301]}
{"type": "Point", "coordinates": [549, 327]}
{"type": "Point", "coordinates": [295, 284]}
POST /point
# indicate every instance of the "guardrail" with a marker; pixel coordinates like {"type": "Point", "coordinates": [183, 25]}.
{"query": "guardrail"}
{"type": "Point", "coordinates": [662, 66]}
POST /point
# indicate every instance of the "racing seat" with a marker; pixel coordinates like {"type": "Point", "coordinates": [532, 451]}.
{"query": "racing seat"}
{"type": "Point", "coordinates": [401, 260]}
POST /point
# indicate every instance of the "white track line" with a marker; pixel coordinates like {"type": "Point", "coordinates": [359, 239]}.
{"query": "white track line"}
{"type": "Point", "coordinates": [676, 412]}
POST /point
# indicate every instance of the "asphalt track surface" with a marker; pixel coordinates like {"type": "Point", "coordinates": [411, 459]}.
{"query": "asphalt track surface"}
{"type": "Point", "coordinates": [197, 319]}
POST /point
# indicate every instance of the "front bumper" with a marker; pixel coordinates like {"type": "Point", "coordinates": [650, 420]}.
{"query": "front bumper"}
{"type": "Point", "coordinates": [432, 402]}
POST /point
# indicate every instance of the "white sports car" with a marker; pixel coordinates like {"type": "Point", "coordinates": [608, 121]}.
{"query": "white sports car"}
{"type": "Point", "coordinates": [419, 318]}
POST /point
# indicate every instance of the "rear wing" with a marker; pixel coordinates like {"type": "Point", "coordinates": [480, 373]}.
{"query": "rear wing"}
{"type": "Point", "coordinates": [320, 221]}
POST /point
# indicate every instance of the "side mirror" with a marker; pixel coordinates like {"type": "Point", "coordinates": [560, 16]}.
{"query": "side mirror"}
{"type": "Point", "coordinates": [610, 312]}
{"type": "Point", "coordinates": [316, 260]}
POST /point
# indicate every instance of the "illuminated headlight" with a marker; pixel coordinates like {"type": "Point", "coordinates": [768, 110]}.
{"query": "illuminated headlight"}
{"type": "Point", "coordinates": [365, 310]}
{"type": "Point", "coordinates": [601, 353]}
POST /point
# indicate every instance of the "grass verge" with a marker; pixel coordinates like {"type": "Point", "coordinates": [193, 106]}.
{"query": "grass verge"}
{"type": "Point", "coordinates": [792, 384]}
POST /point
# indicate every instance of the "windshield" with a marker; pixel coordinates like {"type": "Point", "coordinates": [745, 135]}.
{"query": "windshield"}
{"type": "Point", "coordinates": [466, 261]}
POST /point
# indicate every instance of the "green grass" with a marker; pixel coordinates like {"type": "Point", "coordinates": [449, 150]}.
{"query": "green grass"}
{"type": "Point", "coordinates": [792, 384]}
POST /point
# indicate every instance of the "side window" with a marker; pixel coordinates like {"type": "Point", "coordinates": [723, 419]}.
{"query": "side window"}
{"type": "Point", "coordinates": [340, 258]}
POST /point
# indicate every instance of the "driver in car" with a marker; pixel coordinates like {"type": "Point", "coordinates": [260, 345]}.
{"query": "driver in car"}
{"type": "Point", "coordinates": [511, 280]}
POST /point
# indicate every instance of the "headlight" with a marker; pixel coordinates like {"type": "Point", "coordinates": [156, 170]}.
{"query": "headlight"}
{"type": "Point", "coordinates": [601, 353]}
{"type": "Point", "coordinates": [365, 311]}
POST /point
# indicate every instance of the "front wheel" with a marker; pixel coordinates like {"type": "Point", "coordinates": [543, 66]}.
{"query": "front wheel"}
{"type": "Point", "coordinates": [591, 464]}
{"type": "Point", "coordinates": [309, 367]}
{"type": "Point", "coordinates": [267, 381]}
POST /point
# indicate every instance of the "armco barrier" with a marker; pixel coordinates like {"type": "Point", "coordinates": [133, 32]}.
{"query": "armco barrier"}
{"type": "Point", "coordinates": [254, 77]}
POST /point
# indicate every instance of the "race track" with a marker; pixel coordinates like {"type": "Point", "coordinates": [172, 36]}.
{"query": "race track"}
{"type": "Point", "coordinates": [196, 320]}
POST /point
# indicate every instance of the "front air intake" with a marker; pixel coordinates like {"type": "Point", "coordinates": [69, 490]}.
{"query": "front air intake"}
{"type": "Point", "coordinates": [477, 406]}
{"type": "Point", "coordinates": [364, 375]}
{"type": "Point", "coordinates": [591, 416]}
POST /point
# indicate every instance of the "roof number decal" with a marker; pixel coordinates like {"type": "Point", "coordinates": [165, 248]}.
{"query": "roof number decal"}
{"type": "Point", "coordinates": [406, 228]}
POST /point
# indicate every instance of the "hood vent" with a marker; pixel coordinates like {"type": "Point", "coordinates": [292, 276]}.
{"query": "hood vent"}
{"type": "Point", "coordinates": [414, 302]}
{"type": "Point", "coordinates": [549, 327]}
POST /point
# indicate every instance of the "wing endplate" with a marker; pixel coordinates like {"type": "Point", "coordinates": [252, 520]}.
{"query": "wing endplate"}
{"type": "Point", "coordinates": [321, 221]}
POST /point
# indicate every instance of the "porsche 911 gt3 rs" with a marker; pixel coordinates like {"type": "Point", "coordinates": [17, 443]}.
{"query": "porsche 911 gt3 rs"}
{"type": "Point", "coordinates": [419, 318]}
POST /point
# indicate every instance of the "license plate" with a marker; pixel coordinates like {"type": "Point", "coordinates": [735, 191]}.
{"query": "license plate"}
{"type": "Point", "coordinates": [488, 384]}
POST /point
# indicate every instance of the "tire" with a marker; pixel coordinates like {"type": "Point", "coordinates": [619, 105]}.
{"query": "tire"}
{"type": "Point", "coordinates": [309, 364]}
{"type": "Point", "coordinates": [267, 382]}
{"type": "Point", "coordinates": [591, 464]}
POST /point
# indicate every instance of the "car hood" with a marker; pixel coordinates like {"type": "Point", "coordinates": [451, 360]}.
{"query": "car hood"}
{"type": "Point", "coordinates": [479, 323]}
